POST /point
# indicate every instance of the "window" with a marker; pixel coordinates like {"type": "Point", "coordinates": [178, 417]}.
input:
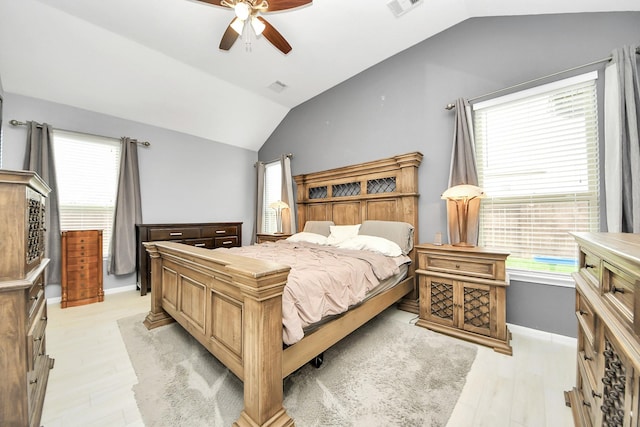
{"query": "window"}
{"type": "Point", "coordinates": [87, 173]}
{"type": "Point", "coordinates": [537, 157]}
{"type": "Point", "coordinates": [272, 193]}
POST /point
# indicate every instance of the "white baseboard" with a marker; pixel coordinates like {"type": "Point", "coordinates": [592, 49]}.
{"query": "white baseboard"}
{"type": "Point", "coordinates": [56, 300]}
{"type": "Point", "coordinates": [542, 335]}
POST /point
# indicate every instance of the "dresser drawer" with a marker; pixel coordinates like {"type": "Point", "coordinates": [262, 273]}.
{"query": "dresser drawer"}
{"type": "Point", "coordinates": [82, 250]}
{"type": "Point", "coordinates": [586, 317]}
{"type": "Point", "coordinates": [35, 336]}
{"type": "Point", "coordinates": [475, 267]}
{"type": "Point", "coordinates": [200, 243]}
{"type": "Point", "coordinates": [588, 403]}
{"type": "Point", "coordinates": [590, 267]}
{"type": "Point", "coordinates": [35, 296]}
{"type": "Point", "coordinates": [174, 233]}
{"type": "Point", "coordinates": [619, 288]}
{"type": "Point", "coordinates": [221, 242]}
{"type": "Point", "coordinates": [81, 263]}
{"type": "Point", "coordinates": [79, 293]}
{"type": "Point", "coordinates": [219, 231]}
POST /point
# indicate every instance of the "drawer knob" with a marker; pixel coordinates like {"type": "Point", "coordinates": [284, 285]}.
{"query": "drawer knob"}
{"type": "Point", "coordinates": [589, 266]}
{"type": "Point", "coordinates": [594, 394]}
{"type": "Point", "coordinates": [33, 381]}
{"type": "Point", "coordinates": [34, 298]}
{"type": "Point", "coordinates": [588, 358]}
{"type": "Point", "coordinates": [228, 242]}
{"type": "Point", "coordinates": [44, 318]}
{"type": "Point", "coordinates": [175, 234]}
{"type": "Point", "coordinates": [583, 313]}
{"type": "Point", "coordinates": [620, 290]}
{"type": "Point", "coordinates": [220, 231]}
{"type": "Point", "coordinates": [457, 265]}
{"type": "Point", "coordinates": [585, 403]}
{"type": "Point", "coordinates": [37, 339]}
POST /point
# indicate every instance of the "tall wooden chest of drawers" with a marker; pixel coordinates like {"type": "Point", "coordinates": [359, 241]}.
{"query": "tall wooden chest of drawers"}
{"type": "Point", "coordinates": [607, 391]}
{"type": "Point", "coordinates": [24, 364]}
{"type": "Point", "coordinates": [209, 235]}
{"type": "Point", "coordinates": [81, 267]}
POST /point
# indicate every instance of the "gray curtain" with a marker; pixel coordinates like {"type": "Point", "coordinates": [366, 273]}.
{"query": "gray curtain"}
{"type": "Point", "coordinates": [259, 200]}
{"type": "Point", "coordinates": [128, 212]}
{"type": "Point", "coordinates": [463, 171]}
{"type": "Point", "coordinates": [288, 196]}
{"type": "Point", "coordinates": [622, 145]}
{"type": "Point", "coordinates": [40, 159]}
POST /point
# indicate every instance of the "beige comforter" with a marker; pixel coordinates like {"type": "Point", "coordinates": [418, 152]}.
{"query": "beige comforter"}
{"type": "Point", "coordinates": [323, 280]}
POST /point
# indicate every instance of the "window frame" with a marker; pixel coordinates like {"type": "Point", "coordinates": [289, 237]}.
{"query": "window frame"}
{"type": "Point", "coordinates": [549, 277]}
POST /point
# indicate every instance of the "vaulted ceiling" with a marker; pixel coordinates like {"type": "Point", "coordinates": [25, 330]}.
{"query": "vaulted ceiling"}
{"type": "Point", "coordinates": [158, 62]}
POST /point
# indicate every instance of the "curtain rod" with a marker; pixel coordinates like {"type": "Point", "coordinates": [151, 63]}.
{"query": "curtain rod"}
{"type": "Point", "coordinates": [19, 123]}
{"type": "Point", "coordinates": [289, 155]}
{"type": "Point", "coordinates": [452, 106]}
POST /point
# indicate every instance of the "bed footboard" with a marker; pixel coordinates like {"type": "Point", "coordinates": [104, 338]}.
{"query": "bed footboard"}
{"type": "Point", "coordinates": [233, 306]}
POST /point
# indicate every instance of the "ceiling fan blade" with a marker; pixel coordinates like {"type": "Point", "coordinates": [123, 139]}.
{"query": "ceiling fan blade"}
{"type": "Point", "coordinates": [275, 5]}
{"type": "Point", "coordinates": [274, 36]}
{"type": "Point", "coordinates": [228, 38]}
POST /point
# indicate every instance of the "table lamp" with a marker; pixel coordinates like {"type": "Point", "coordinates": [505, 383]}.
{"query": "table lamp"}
{"type": "Point", "coordinates": [461, 195]}
{"type": "Point", "coordinates": [278, 206]}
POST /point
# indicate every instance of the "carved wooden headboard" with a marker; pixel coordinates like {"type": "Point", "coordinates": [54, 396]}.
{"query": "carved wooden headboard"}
{"type": "Point", "coordinates": [385, 189]}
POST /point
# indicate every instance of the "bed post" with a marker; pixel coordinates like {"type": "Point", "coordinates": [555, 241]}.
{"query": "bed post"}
{"type": "Point", "coordinates": [157, 316]}
{"type": "Point", "coordinates": [262, 347]}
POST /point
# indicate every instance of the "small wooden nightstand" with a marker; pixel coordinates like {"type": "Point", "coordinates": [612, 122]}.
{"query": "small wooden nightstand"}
{"type": "Point", "coordinates": [270, 237]}
{"type": "Point", "coordinates": [463, 293]}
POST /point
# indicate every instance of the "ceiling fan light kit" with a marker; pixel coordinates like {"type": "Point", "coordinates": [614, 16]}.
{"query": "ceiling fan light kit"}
{"type": "Point", "coordinates": [249, 10]}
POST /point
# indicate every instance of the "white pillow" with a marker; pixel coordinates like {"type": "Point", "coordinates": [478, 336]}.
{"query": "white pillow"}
{"type": "Point", "coordinates": [371, 243]}
{"type": "Point", "coordinates": [340, 233]}
{"type": "Point", "coordinates": [305, 236]}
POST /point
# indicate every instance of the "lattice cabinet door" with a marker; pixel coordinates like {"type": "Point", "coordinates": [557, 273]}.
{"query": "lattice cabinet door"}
{"type": "Point", "coordinates": [477, 302]}
{"type": "Point", "coordinates": [440, 305]}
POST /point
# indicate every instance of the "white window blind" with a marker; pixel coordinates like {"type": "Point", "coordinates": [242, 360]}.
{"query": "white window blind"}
{"type": "Point", "coordinates": [87, 173]}
{"type": "Point", "coordinates": [272, 193]}
{"type": "Point", "coordinates": [537, 157]}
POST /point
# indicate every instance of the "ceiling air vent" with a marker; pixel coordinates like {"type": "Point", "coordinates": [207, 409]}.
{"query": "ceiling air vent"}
{"type": "Point", "coordinates": [277, 86]}
{"type": "Point", "coordinates": [400, 7]}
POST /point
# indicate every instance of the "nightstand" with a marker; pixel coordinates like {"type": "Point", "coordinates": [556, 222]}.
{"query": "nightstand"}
{"type": "Point", "coordinates": [463, 293]}
{"type": "Point", "coordinates": [270, 237]}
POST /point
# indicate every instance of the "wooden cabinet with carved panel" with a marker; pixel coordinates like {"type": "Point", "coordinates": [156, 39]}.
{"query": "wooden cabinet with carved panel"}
{"type": "Point", "coordinates": [24, 363]}
{"type": "Point", "coordinates": [81, 267]}
{"type": "Point", "coordinates": [463, 293]}
{"type": "Point", "coordinates": [607, 391]}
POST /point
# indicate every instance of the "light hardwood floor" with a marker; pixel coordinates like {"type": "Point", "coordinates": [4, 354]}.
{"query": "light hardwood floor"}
{"type": "Point", "coordinates": [91, 382]}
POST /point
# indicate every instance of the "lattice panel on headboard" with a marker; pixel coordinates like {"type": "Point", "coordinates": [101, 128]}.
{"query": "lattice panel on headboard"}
{"type": "Point", "coordinates": [345, 190]}
{"type": "Point", "coordinates": [381, 185]}
{"type": "Point", "coordinates": [318, 192]}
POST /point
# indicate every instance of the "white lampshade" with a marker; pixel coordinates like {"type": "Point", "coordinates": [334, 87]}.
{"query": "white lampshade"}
{"type": "Point", "coordinates": [237, 25]}
{"type": "Point", "coordinates": [278, 205]}
{"type": "Point", "coordinates": [258, 25]}
{"type": "Point", "coordinates": [463, 191]}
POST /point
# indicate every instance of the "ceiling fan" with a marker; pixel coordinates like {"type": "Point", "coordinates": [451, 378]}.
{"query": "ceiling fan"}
{"type": "Point", "coordinates": [247, 12]}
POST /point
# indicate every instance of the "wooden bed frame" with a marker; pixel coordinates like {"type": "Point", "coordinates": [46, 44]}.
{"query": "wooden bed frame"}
{"type": "Point", "coordinates": [233, 305]}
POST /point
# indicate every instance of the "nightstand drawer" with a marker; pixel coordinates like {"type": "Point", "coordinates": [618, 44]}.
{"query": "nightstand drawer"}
{"type": "Point", "coordinates": [174, 233]}
{"type": "Point", "coordinates": [585, 316]}
{"type": "Point", "coordinates": [475, 267]}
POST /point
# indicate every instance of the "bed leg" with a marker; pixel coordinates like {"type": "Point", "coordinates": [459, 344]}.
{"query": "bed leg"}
{"type": "Point", "coordinates": [317, 361]}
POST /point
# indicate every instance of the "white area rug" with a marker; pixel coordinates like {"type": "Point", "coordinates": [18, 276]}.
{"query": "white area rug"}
{"type": "Point", "coordinates": [387, 373]}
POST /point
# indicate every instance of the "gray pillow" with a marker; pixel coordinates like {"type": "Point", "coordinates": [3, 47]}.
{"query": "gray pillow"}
{"type": "Point", "coordinates": [318, 227]}
{"type": "Point", "coordinates": [398, 232]}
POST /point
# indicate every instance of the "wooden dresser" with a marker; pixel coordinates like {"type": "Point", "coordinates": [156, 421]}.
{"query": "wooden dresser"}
{"type": "Point", "coordinates": [206, 235]}
{"type": "Point", "coordinates": [607, 391]}
{"type": "Point", "coordinates": [81, 267]}
{"type": "Point", "coordinates": [463, 293]}
{"type": "Point", "coordinates": [24, 364]}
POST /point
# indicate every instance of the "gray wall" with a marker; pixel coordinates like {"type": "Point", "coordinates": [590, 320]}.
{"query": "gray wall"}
{"type": "Point", "coordinates": [397, 106]}
{"type": "Point", "coordinates": [183, 178]}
